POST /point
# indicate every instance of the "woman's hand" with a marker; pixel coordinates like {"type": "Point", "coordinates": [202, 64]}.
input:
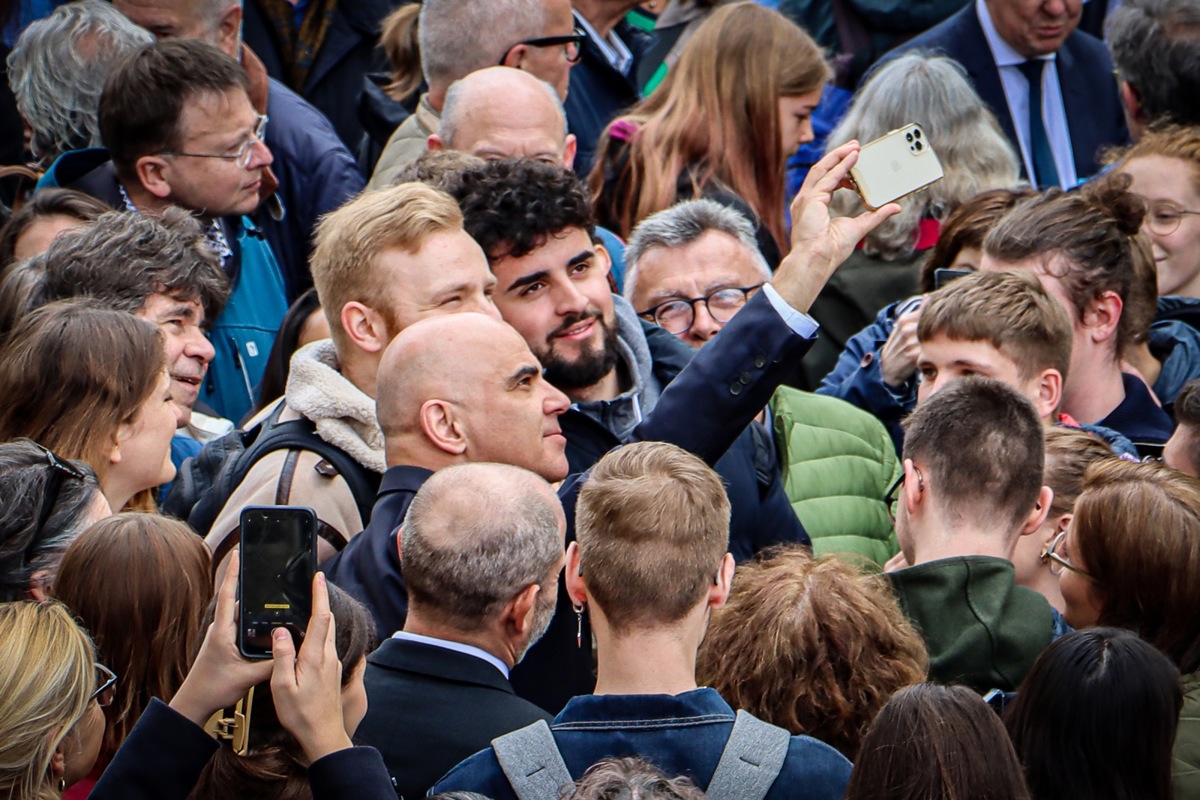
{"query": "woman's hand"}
{"type": "Point", "coordinates": [898, 356]}
{"type": "Point", "coordinates": [307, 688]}
{"type": "Point", "coordinates": [221, 675]}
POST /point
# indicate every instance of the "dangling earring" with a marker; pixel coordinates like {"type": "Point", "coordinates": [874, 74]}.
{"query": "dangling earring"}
{"type": "Point", "coordinates": [578, 625]}
{"type": "Point", "coordinates": [62, 785]}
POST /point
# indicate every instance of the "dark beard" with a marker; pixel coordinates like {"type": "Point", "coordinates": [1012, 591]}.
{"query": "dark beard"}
{"type": "Point", "coordinates": [590, 367]}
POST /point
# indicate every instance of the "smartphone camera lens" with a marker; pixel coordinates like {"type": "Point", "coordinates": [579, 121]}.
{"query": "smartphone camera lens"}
{"type": "Point", "coordinates": [916, 132]}
{"type": "Point", "coordinates": [918, 146]}
{"type": "Point", "coordinates": [908, 136]}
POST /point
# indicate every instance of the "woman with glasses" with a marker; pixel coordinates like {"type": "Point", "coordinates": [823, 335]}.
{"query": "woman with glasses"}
{"type": "Point", "coordinates": [45, 501]}
{"type": "Point", "coordinates": [1095, 719]}
{"type": "Point", "coordinates": [140, 584]}
{"type": "Point", "coordinates": [722, 125]}
{"type": "Point", "coordinates": [1131, 559]}
{"type": "Point", "coordinates": [51, 723]}
{"type": "Point", "coordinates": [91, 383]}
{"type": "Point", "coordinates": [1165, 167]}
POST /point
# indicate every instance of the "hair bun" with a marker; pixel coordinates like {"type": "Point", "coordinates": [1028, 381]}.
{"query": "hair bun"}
{"type": "Point", "coordinates": [1111, 194]}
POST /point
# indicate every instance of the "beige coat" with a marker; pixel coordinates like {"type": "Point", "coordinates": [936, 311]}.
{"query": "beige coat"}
{"type": "Point", "coordinates": [408, 143]}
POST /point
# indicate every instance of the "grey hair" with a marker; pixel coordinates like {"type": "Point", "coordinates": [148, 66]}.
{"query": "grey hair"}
{"type": "Point", "coordinates": [24, 549]}
{"type": "Point", "coordinates": [1155, 45]}
{"type": "Point", "coordinates": [460, 36]}
{"type": "Point", "coordinates": [58, 68]}
{"type": "Point", "coordinates": [476, 535]}
{"type": "Point", "coordinates": [454, 109]}
{"type": "Point", "coordinates": [682, 224]}
{"type": "Point", "coordinates": [932, 91]}
{"type": "Point", "coordinates": [124, 257]}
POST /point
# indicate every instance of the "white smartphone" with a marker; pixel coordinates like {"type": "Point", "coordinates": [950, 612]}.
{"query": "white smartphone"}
{"type": "Point", "coordinates": [894, 166]}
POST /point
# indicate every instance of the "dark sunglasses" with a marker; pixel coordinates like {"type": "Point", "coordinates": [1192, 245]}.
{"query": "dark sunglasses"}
{"type": "Point", "coordinates": [58, 470]}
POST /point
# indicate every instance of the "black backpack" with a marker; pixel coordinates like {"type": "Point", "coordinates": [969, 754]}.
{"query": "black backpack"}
{"type": "Point", "coordinates": [207, 480]}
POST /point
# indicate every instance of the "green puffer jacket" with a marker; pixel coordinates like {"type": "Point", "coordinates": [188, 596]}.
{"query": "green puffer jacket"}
{"type": "Point", "coordinates": [838, 462]}
{"type": "Point", "coordinates": [1185, 772]}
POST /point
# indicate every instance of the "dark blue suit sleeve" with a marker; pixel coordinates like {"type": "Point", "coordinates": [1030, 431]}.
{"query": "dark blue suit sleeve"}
{"type": "Point", "coordinates": [727, 384]}
{"type": "Point", "coordinates": [357, 773]}
{"type": "Point", "coordinates": [161, 759]}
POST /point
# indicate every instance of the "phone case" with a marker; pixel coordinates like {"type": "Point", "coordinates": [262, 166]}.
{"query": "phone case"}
{"type": "Point", "coordinates": [895, 166]}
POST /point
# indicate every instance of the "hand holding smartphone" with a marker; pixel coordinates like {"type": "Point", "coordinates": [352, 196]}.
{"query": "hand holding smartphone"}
{"type": "Point", "coordinates": [276, 568]}
{"type": "Point", "coordinates": [894, 166]}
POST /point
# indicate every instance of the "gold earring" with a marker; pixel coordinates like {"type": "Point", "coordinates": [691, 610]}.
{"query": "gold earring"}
{"type": "Point", "coordinates": [62, 784]}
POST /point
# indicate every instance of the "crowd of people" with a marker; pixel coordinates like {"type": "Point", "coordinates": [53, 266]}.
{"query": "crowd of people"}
{"type": "Point", "coordinates": [647, 459]}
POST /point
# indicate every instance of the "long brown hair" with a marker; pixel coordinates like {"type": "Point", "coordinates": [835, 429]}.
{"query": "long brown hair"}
{"type": "Point", "coordinates": [1137, 533]}
{"type": "Point", "coordinates": [71, 373]}
{"type": "Point", "coordinates": [937, 743]}
{"type": "Point", "coordinates": [811, 645]}
{"type": "Point", "coordinates": [139, 583]}
{"type": "Point", "coordinates": [717, 111]}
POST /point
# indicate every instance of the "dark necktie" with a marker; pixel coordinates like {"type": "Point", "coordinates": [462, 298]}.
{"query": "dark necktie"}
{"type": "Point", "coordinates": [1046, 174]}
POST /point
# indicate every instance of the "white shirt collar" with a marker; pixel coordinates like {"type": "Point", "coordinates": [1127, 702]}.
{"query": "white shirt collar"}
{"type": "Point", "coordinates": [1002, 52]}
{"type": "Point", "coordinates": [457, 647]}
{"type": "Point", "coordinates": [615, 51]}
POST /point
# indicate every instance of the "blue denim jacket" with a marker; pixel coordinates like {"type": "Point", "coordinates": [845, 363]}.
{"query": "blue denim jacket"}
{"type": "Point", "coordinates": [681, 734]}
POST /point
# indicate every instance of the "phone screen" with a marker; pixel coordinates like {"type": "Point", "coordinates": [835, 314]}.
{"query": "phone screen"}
{"type": "Point", "coordinates": [943, 276]}
{"type": "Point", "coordinates": [278, 560]}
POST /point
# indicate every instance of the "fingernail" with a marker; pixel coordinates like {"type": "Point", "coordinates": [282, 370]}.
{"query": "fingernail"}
{"type": "Point", "coordinates": [321, 578]}
{"type": "Point", "coordinates": [280, 633]}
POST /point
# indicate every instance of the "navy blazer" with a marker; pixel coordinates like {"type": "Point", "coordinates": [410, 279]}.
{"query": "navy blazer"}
{"type": "Point", "coordinates": [703, 410]}
{"type": "Point", "coordinates": [430, 707]}
{"type": "Point", "coordinates": [1094, 113]}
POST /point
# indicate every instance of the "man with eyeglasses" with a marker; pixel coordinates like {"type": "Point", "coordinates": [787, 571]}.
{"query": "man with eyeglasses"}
{"type": "Point", "coordinates": [459, 37]}
{"type": "Point", "coordinates": [180, 131]}
{"type": "Point", "coordinates": [535, 223]}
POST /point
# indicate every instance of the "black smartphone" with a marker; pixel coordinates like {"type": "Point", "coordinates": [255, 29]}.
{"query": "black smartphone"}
{"type": "Point", "coordinates": [278, 561]}
{"type": "Point", "coordinates": [943, 276]}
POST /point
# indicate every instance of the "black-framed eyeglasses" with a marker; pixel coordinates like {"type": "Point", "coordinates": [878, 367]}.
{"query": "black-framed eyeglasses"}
{"type": "Point", "coordinates": [244, 153]}
{"type": "Point", "coordinates": [891, 500]}
{"type": "Point", "coordinates": [678, 315]}
{"type": "Point", "coordinates": [1057, 561]}
{"type": "Point", "coordinates": [57, 470]}
{"type": "Point", "coordinates": [571, 43]}
{"type": "Point", "coordinates": [106, 686]}
{"type": "Point", "coordinates": [1163, 218]}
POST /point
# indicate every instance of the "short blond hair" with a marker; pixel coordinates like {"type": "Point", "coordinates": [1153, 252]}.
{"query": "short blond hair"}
{"type": "Point", "coordinates": [652, 524]}
{"type": "Point", "coordinates": [350, 240]}
{"type": "Point", "coordinates": [48, 675]}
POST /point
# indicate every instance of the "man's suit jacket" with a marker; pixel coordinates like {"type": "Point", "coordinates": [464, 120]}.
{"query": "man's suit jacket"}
{"type": "Point", "coordinates": [429, 708]}
{"type": "Point", "coordinates": [1089, 91]}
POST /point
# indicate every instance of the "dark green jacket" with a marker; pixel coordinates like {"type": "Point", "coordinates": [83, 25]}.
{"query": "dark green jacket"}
{"type": "Point", "coordinates": [981, 629]}
{"type": "Point", "coordinates": [1185, 772]}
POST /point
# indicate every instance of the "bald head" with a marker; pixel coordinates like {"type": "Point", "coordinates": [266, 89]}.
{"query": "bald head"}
{"type": "Point", "coordinates": [465, 388]}
{"type": "Point", "coordinates": [501, 112]}
{"type": "Point", "coordinates": [462, 566]}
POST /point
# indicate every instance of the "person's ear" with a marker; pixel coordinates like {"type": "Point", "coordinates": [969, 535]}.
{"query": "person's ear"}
{"type": "Point", "coordinates": [58, 761]}
{"type": "Point", "coordinates": [229, 28]}
{"type": "Point", "coordinates": [400, 543]}
{"type": "Point", "coordinates": [603, 259]}
{"type": "Point", "coordinates": [1041, 509]}
{"type": "Point", "coordinates": [39, 585]}
{"type": "Point", "coordinates": [573, 573]}
{"type": "Point", "coordinates": [365, 327]}
{"type": "Point", "coordinates": [442, 427]}
{"type": "Point", "coordinates": [515, 57]}
{"type": "Point", "coordinates": [1132, 102]}
{"type": "Point", "coordinates": [1049, 392]}
{"type": "Point", "coordinates": [434, 142]}
{"type": "Point", "coordinates": [518, 615]}
{"type": "Point", "coordinates": [570, 145]}
{"type": "Point", "coordinates": [718, 593]}
{"type": "Point", "coordinates": [913, 488]}
{"type": "Point", "coordinates": [153, 172]}
{"type": "Point", "coordinates": [1103, 316]}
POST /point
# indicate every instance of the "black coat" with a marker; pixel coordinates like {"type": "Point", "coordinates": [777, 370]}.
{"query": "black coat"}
{"type": "Point", "coordinates": [430, 708]}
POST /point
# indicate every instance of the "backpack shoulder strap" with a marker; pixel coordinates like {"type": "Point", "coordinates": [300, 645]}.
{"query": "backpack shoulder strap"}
{"type": "Point", "coordinates": [751, 760]}
{"type": "Point", "coordinates": [532, 763]}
